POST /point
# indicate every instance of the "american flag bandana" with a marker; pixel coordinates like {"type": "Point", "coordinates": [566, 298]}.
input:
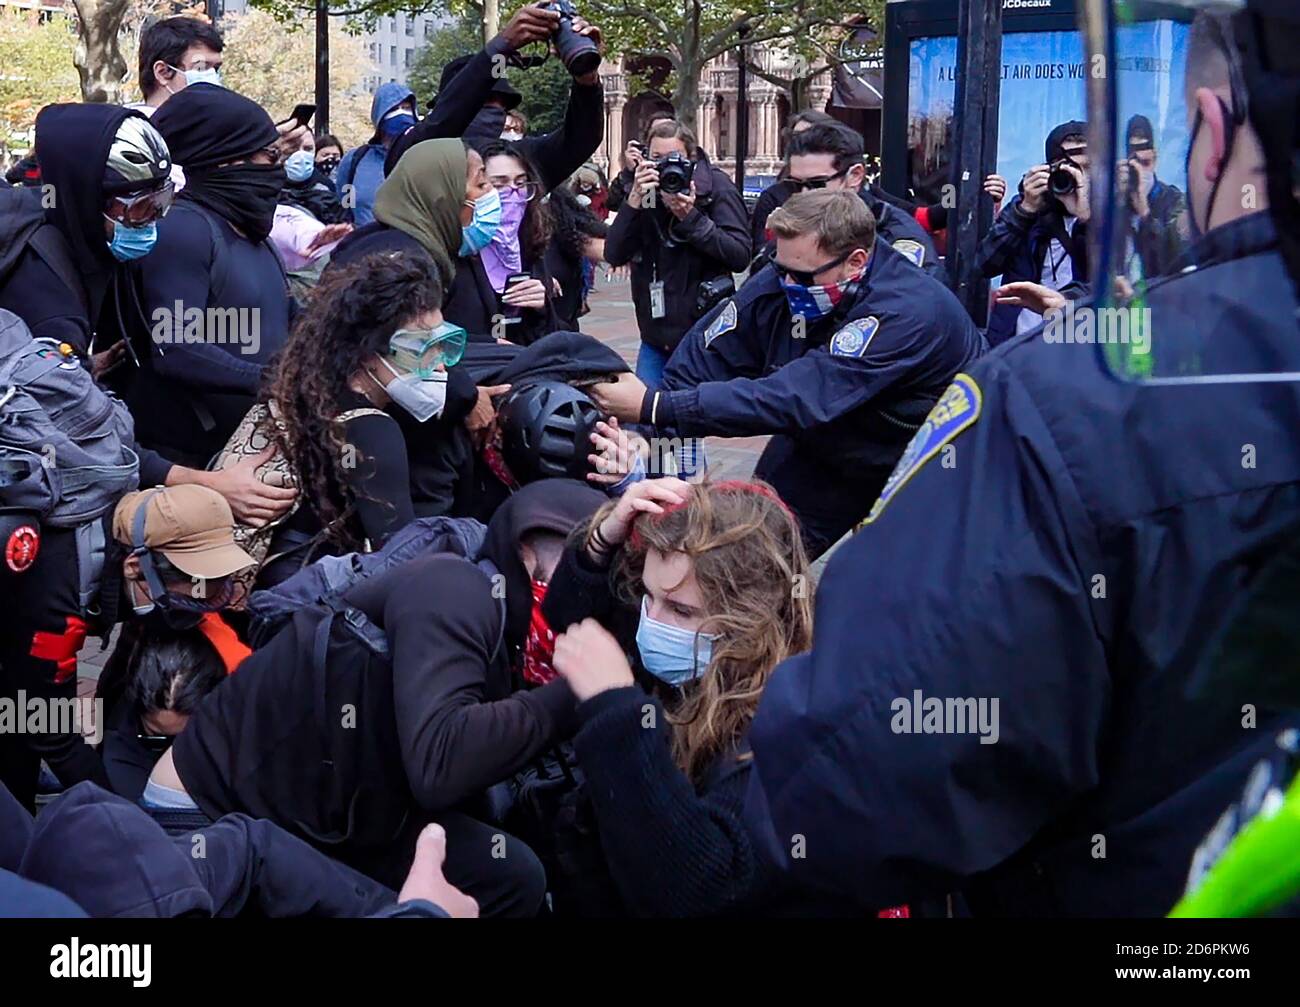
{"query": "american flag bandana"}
{"type": "Point", "coordinates": [817, 301]}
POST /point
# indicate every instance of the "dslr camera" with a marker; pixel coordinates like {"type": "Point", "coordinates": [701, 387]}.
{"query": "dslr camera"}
{"type": "Point", "coordinates": [578, 53]}
{"type": "Point", "coordinates": [1060, 182]}
{"type": "Point", "coordinates": [675, 173]}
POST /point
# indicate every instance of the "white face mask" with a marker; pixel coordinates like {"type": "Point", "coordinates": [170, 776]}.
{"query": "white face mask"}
{"type": "Point", "coordinates": [209, 75]}
{"type": "Point", "coordinates": [423, 399]}
{"type": "Point", "coordinates": [511, 135]}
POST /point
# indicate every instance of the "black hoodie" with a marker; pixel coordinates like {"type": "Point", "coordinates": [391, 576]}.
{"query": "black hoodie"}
{"type": "Point", "coordinates": [113, 860]}
{"type": "Point", "coordinates": [72, 143]}
{"type": "Point", "coordinates": [443, 725]}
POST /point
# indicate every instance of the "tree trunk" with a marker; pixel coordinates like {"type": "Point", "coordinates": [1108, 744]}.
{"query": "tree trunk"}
{"type": "Point", "coordinates": [322, 66]}
{"type": "Point", "coordinates": [686, 95]}
{"type": "Point", "coordinates": [97, 57]}
{"type": "Point", "coordinates": [800, 91]}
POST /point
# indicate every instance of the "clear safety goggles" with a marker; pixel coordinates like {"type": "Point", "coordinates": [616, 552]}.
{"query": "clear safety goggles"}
{"type": "Point", "coordinates": [422, 351]}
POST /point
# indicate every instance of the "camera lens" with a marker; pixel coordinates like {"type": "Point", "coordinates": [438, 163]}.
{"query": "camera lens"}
{"type": "Point", "coordinates": [578, 52]}
{"type": "Point", "coordinates": [1061, 182]}
{"type": "Point", "coordinates": [674, 174]}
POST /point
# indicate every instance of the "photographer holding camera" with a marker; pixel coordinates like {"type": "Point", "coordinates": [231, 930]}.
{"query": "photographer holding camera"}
{"type": "Point", "coordinates": [683, 225]}
{"type": "Point", "coordinates": [1041, 235]}
{"type": "Point", "coordinates": [1155, 208]}
{"type": "Point", "coordinates": [473, 94]}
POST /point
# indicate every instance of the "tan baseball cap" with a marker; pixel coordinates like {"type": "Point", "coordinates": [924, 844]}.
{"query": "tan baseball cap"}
{"type": "Point", "coordinates": [190, 525]}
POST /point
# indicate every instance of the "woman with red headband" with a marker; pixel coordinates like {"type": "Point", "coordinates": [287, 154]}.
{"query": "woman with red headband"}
{"type": "Point", "coordinates": [708, 586]}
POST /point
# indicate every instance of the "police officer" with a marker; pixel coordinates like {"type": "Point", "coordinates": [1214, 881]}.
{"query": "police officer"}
{"type": "Point", "coordinates": [997, 700]}
{"type": "Point", "coordinates": [839, 348]}
{"type": "Point", "coordinates": [830, 156]}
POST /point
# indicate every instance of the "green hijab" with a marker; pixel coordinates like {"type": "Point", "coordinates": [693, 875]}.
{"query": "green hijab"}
{"type": "Point", "coordinates": [423, 197]}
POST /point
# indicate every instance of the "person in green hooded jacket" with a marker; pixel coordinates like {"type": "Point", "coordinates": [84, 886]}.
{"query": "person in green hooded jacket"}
{"type": "Point", "coordinates": [433, 199]}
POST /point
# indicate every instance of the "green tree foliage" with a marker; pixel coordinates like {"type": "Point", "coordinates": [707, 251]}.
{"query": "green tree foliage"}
{"type": "Point", "coordinates": [690, 33]}
{"type": "Point", "coordinates": [545, 89]}
{"type": "Point", "coordinates": [37, 61]}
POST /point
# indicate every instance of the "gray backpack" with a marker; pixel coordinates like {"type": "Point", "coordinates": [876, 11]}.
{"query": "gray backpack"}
{"type": "Point", "coordinates": [66, 445]}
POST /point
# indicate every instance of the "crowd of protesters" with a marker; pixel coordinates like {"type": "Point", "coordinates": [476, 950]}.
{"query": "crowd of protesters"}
{"type": "Point", "coordinates": [421, 601]}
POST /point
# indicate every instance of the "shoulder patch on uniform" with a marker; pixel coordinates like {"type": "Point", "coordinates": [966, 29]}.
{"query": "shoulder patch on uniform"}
{"type": "Point", "coordinates": [914, 250]}
{"type": "Point", "coordinates": [854, 338]}
{"type": "Point", "coordinates": [957, 408]}
{"type": "Point", "coordinates": [725, 322]}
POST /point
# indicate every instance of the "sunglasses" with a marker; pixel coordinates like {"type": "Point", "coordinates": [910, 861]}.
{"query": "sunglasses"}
{"type": "Point", "coordinates": [803, 184]}
{"type": "Point", "coordinates": [144, 207]}
{"type": "Point", "coordinates": [421, 351]}
{"type": "Point", "coordinates": [808, 277]}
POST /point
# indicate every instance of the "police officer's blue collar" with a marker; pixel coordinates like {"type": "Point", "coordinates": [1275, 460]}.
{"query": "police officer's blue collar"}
{"type": "Point", "coordinates": [1248, 235]}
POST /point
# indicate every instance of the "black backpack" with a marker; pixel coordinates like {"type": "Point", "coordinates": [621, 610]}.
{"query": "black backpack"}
{"type": "Point", "coordinates": [552, 812]}
{"type": "Point", "coordinates": [352, 798]}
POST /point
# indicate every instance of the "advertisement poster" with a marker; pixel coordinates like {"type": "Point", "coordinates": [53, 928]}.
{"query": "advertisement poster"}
{"type": "Point", "coordinates": [1043, 78]}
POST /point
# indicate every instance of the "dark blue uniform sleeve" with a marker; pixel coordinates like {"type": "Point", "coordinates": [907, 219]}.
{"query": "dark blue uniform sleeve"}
{"type": "Point", "coordinates": [972, 583]}
{"type": "Point", "coordinates": [729, 354]}
{"type": "Point", "coordinates": [899, 226]}
{"type": "Point", "coordinates": [816, 388]}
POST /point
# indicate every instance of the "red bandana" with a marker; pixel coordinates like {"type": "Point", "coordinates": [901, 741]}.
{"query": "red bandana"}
{"type": "Point", "coordinates": [540, 645]}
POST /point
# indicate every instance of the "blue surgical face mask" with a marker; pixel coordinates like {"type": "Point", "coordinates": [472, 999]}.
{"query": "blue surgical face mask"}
{"type": "Point", "coordinates": [300, 165]}
{"type": "Point", "coordinates": [670, 653]}
{"type": "Point", "coordinates": [132, 242]}
{"type": "Point", "coordinates": [487, 218]}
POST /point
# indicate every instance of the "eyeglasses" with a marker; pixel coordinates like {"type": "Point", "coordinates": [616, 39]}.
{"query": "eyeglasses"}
{"type": "Point", "coordinates": [422, 351]}
{"type": "Point", "coordinates": [527, 189]}
{"type": "Point", "coordinates": [802, 184]}
{"type": "Point", "coordinates": [142, 208]}
{"type": "Point", "coordinates": [808, 277]}
{"type": "Point", "coordinates": [198, 66]}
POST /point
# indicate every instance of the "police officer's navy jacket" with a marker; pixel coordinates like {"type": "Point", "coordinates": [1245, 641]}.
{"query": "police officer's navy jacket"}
{"type": "Point", "coordinates": [905, 235]}
{"type": "Point", "coordinates": [1072, 565]}
{"type": "Point", "coordinates": [853, 389]}
{"type": "Point", "coordinates": [893, 223]}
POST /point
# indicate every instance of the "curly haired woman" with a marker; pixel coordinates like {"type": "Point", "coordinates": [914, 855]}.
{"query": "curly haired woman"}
{"type": "Point", "coordinates": [372, 340]}
{"type": "Point", "coordinates": [718, 579]}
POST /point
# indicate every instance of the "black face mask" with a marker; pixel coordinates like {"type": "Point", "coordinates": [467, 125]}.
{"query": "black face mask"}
{"type": "Point", "coordinates": [486, 127]}
{"type": "Point", "coordinates": [245, 194]}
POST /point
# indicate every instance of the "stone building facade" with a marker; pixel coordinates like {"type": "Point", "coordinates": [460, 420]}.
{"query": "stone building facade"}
{"type": "Point", "coordinates": [626, 116]}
